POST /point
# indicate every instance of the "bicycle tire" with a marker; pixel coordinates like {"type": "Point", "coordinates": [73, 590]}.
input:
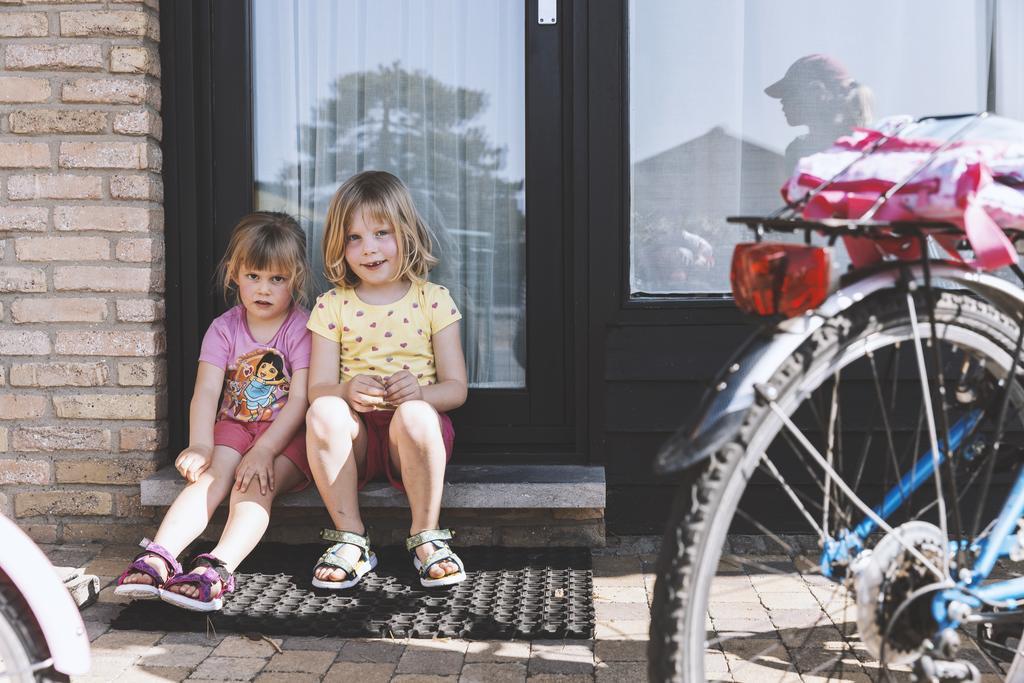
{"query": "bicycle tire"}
{"type": "Point", "coordinates": [703, 511]}
{"type": "Point", "coordinates": [22, 644]}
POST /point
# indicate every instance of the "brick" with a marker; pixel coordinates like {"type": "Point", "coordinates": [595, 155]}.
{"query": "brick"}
{"type": "Point", "coordinates": [54, 186]}
{"type": "Point", "coordinates": [42, 121]}
{"type": "Point", "coordinates": [139, 310]}
{"type": "Point", "coordinates": [63, 438]}
{"type": "Point", "coordinates": [107, 218]}
{"type": "Point", "coordinates": [23, 25]}
{"type": "Point", "coordinates": [113, 24]}
{"type": "Point", "coordinates": [145, 373]}
{"type": "Point", "coordinates": [103, 279]}
{"type": "Point", "coordinates": [35, 503]}
{"type": "Point", "coordinates": [58, 374]}
{"type": "Point", "coordinates": [14, 279]}
{"type": "Point", "coordinates": [110, 406]}
{"type": "Point", "coordinates": [3, 440]}
{"type": "Point", "coordinates": [78, 532]}
{"type": "Point", "coordinates": [46, 310]}
{"type": "Point", "coordinates": [108, 91]}
{"type": "Point", "coordinates": [139, 250]}
{"type": "Point", "coordinates": [129, 505]}
{"type": "Point", "coordinates": [134, 60]}
{"type": "Point", "coordinates": [139, 123]}
{"type": "Point", "coordinates": [137, 187]}
{"type": "Point", "coordinates": [105, 155]}
{"type": "Point", "coordinates": [104, 471]}
{"type": "Point", "coordinates": [67, 57]}
{"type": "Point", "coordinates": [40, 533]}
{"type": "Point", "coordinates": [115, 342]}
{"type": "Point", "coordinates": [24, 155]}
{"type": "Point", "coordinates": [18, 89]}
{"type": "Point", "coordinates": [24, 343]}
{"type": "Point", "coordinates": [141, 439]}
{"type": "Point", "coordinates": [62, 249]}
{"type": "Point", "coordinates": [579, 513]}
{"type": "Point", "coordinates": [24, 471]}
{"type": "Point", "coordinates": [22, 406]}
{"type": "Point", "coordinates": [23, 218]}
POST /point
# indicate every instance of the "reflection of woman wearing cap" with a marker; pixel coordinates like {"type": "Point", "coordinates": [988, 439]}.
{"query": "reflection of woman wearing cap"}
{"type": "Point", "coordinates": [817, 92]}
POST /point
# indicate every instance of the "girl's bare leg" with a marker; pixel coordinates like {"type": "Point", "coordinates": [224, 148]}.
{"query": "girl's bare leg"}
{"type": "Point", "coordinates": [191, 510]}
{"type": "Point", "coordinates": [417, 451]}
{"type": "Point", "coordinates": [336, 447]}
{"type": "Point", "coordinates": [248, 517]}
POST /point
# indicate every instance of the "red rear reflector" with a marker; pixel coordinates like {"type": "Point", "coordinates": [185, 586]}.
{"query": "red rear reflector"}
{"type": "Point", "coordinates": [770, 278]}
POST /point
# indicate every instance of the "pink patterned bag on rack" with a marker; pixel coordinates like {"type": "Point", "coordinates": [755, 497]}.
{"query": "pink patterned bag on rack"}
{"type": "Point", "coordinates": [975, 184]}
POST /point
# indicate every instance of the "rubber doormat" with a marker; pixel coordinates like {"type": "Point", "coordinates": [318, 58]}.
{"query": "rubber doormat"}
{"type": "Point", "coordinates": [520, 593]}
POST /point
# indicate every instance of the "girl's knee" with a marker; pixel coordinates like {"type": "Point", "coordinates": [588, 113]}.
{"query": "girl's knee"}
{"type": "Point", "coordinates": [417, 420]}
{"type": "Point", "coordinates": [330, 416]}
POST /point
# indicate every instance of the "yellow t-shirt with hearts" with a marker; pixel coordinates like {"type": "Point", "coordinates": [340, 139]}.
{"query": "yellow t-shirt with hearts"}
{"type": "Point", "coordinates": [384, 339]}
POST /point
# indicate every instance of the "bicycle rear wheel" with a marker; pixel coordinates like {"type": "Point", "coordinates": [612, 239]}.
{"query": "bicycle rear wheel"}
{"type": "Point", "coordinates": [23, 650]}
{"type": "Point", "coordinates": [763, 609]}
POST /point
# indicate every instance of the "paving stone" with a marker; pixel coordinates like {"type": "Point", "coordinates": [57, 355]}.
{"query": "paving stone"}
{"type": "Point", "coordinates": [441, 662]}
{"type": "Point", "coordinates": [799, 618]}
{"type": "Point", "coordinates": [423, 678]}
{"type": "Point", "coordinates": [321, 643]}
{"type": "Point", "coordinates": [446, 644]}
{"type": "Point", "coordinates": [620, 594]}
{"type": "Point", "coordinates": [95, 629]}
{"type": "Point", "coordinates": [623, 630]}
{"type": "Point", "coordinates": [803, 600]}
{"type": "Point", "coordinates": [107, 667]}
{"type": "Point", "coordinates": [241, 646]}
{"type": "Point", "coordinates": [608, 611]}
{"type": "Point", "coordinates": [287, 677]}
{"type": "Point", "coordinates": [561, 678]}
{"type": "Point", "coordinates": [561, 656]}
{"type": "Point", "coordinates": [618, 672]}
{"type": "Point", "coordinates": [125, 643]}
{"type": "Point", "coordinates": [753, 673]}
{"type": "Point", "coordinates": [620, 650]}
{"type": "Point", "coordinates": [372, 651]}
{"type": "Point", "coordinates": [153, 674]}
{"type": "Point", "coordinates": [105, 612]}
{"type": "Point", "coordinates": [302, 661]}
{"type": "Point", "coordinates": [493, 673]}
{"type": "Point", "coordinates": [193, 638]}
{"type": "Point", "coordinates": [229, 668]}
{"type": "Point", "coordinates": [498, 651]}
{"type": "Point", "coordinates": [364, 672]}
{"type": "Point", "coordinates": [166, 654]}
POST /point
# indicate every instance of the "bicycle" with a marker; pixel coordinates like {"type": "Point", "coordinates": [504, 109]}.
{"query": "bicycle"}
{"type": "Point", "coordinates": [882, 412]}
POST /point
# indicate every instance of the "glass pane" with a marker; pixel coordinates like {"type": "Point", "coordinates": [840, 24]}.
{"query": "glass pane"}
{"type": "Point", "coordinates": [725, 96]}
{"type": "Point", "coordinates": [432, 91]}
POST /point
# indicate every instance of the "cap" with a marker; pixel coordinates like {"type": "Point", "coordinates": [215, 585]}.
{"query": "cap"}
{"type": "Point", "coordinates": [816, 67]}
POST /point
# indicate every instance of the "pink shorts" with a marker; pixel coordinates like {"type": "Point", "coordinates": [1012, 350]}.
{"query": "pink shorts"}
{"type": "Point", "coordinates": [240, 436]}
{"type": "Point", "coordinates": [378, 461]}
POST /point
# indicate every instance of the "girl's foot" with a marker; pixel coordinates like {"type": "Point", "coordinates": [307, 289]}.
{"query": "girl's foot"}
{"type": "Point", "coordinates": [434, 560]}
{"type": "Point", "coordinates": [344, 563]}
{"type": "Point", "coordinates": [439, 570]}
{"type": "Point", "coordinates": [148, 572]}
{"type": "Point", "coordinates": [202, 589]}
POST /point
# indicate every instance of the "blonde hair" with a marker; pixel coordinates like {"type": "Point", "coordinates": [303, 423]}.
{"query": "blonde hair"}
{"type": "Point", "coordinates": [265, 240]}
{"type": "Point", "coordinates": [384, 198]}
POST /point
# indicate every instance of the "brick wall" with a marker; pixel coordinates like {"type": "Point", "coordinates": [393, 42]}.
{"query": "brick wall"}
{"type": "Point", "coordinates": [82, 370]}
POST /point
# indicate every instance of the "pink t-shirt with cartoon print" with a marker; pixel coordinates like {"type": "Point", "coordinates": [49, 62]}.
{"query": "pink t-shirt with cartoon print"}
{"type": "Point", "coordinates": [257, 376]}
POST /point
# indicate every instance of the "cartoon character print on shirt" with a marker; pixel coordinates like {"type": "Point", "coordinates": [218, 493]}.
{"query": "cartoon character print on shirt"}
{"type": "Point", "coordinates": [257, 386]}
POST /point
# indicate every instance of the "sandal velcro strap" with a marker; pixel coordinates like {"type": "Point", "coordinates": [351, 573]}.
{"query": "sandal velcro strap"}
{"type": "Point", "coordinates": [214, 563]}
{"type": "Point", "coordinates": [428, 536]}
{"type": "Point", "coordinates": [440, 555]}
{"type": "Point", "coordinates": [329, 559]}
{"type": "Point", "coordinates": [337, 536]}
{"type": "Point", "coordinates": [151, 548]}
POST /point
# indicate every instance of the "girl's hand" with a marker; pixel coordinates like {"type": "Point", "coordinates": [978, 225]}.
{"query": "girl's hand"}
{"type": "Point", "coordinates": [365, 393]}
{"type": "Point", "coordinates": [255, 464]}
{"type": "Point", "coordinates": [193, 461]}
{"type": "Point", "coordinates": [401, 387]}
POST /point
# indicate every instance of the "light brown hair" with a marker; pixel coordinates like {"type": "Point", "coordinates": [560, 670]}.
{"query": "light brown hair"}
{"type": "Point", "coordinates": [265, 240]}
{"type": "Point", "coordinates": [384, 198]}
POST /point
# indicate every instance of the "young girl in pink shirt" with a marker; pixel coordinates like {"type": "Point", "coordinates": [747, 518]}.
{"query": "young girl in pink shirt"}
{"type": "Point", "coordinates": [246, 436]}
{"type": "Point", "coordinates": [386, 365]}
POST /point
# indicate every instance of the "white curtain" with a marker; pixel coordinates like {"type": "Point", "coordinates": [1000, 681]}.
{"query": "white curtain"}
{"type": "Point", "coordinates": [432, 91]}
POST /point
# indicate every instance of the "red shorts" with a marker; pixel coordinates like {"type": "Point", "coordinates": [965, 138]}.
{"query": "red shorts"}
{"type": "Point", "coordinates": [378, 461]}
{"type": "Point", "coordinates": [240, 436]}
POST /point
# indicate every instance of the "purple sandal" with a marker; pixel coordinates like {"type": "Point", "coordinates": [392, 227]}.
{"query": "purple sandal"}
{"type": "Point", "coordinates": [213, 570]}
{"type": "Point", "coordinates": [140, 566]}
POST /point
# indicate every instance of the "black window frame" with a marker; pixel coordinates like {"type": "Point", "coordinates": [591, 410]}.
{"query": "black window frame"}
{"type": "Point", "coordinates": [209, 184]}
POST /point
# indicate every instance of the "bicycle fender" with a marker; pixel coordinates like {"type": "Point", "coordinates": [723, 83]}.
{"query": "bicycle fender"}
{"type": "Point", "coordinates": [51, 604]}
{"type": "Point", "coordinates": [727, 402]}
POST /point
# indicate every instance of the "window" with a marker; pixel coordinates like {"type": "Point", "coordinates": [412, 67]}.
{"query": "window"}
{"type": "Point", "coordinates": [725, 96]}
{"type": "Point", "coordinates": [433, 92]}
